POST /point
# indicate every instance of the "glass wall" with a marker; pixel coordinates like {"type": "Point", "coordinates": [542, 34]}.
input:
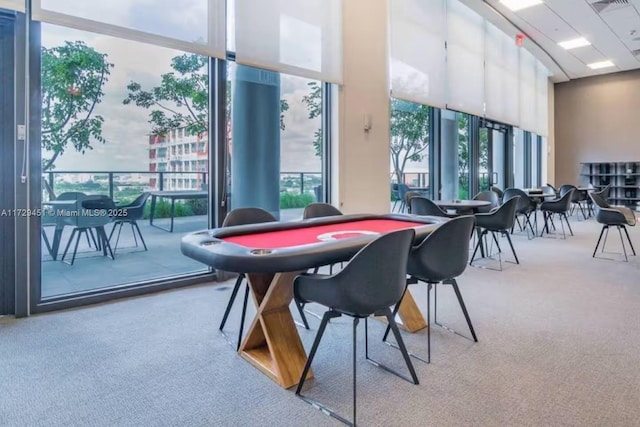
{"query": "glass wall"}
{"type": "Point", "coordinates": [125, 123]}
{"type": "Point", "coordinates": [409, 148]}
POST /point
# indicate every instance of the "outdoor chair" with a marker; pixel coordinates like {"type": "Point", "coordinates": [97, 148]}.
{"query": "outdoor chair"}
{"type": "Point", "coordinates": [92, 212]}
{"type": "Point", "coordinates": [129, 213]}
{"type": "Point", "coordinates": [372, 282]}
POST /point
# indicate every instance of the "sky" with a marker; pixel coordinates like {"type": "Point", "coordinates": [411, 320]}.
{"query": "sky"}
{"type": "Point", "coordinates": [126, 127]}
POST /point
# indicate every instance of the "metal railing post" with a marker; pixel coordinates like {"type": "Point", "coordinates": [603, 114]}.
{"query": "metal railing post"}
{"type": "Point", "coordinates": [301, 183]}
{"type": "Point", "coordinates": [161, 178]}
{"type": "Point", "coordinates": [111, 185]}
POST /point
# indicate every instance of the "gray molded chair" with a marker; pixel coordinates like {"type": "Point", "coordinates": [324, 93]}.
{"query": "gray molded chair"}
{"type": "Point", "coordinates": [558, 207]}
{"type": "Point", "coordinates": [487, 196]}
{"type": "Point", "coordinates": [441, 258]}
{"type": "Point", "coordinates": [424, 206]}
{"type": "Point", "coordinates": [244, 216]}
{"type": "Point", "coordinates": [402, 193]}
{"type": "Point", "coordinates": [51, 218]}
{"type": "Point", "coordinates": [499, 192]}
{"type": "Point", "coordinates": [369, 284]}
{"type": "Point", "coordinates": [129, 213]}
{"type": "Point", "coordinates": [92, 212]}
{"type": "Point", "coordinates": [619, 217]}
{"type": "Point", "coordinates": [525, 207]}
{"type": "Point", "coordinates": [499, 221]}
{"type": "Point", "coordinates": [577, 197]}
{"type": "Point", "coordinates": [318, 210]}
{"type": "Point", "coordinates": [410, 195]}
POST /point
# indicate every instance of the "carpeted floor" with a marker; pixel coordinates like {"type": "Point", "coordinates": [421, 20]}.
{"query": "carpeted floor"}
{"type": "Point", "coordinates": [559, 345]}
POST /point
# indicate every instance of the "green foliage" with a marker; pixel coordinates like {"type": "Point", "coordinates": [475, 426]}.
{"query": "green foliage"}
{"type": "Point", "coordinates": [409, 134]}
{"type": "Point", "coordinates": [182, 99]}
{"type": "Point", "coordinates": [163, 210]}
{"type": "Point", "coordinates": [314, 105]}
{"type": "Point", "coordinates": [290, 201]}
{"type": "Point", "coordinates": [72, 79]}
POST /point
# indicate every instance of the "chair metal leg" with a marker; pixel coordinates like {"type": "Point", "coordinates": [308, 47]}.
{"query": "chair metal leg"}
{"type": "Point", "coordinates": [629, 239]}
{"type": "Point", "coordinates": [316, 342]}
{"type": "Point", "coordinates": [300, 308]}
{"type": "Point", "coordinates": [564, 215]}
{"type": "Point", "coordinates": [473, 257]}
{"type": "Point", "coordinates": [355, 368]}
{"type": "Point", "coordinates": [399, 345]}
{"type": "Point", "coordinates": [599, 238]}
{"type": "Point", "coordinates": [234, 292]}
{"type": "Point", "coordinates": [456, 289]}
{"type": "Point", "coordinates": [395, 311]}
{"type": "Point", "coordinates": [605, 239]}
{"type": "Point", "coordinates": [244, 314]}
{"type": "Point", "coordinates": [429, 322]}
{"type": "Point", "coordinates": [104, 241]}
{"type": "Point", "coordinates": [512, 249]}
{"type": "Point", "coordinates": [624, 249]}
{"type": "Point", "coordinates": [135, 224]}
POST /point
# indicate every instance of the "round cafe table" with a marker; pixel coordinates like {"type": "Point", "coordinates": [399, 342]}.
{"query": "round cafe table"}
{"type": "Point", "coordinates": [462, 206]}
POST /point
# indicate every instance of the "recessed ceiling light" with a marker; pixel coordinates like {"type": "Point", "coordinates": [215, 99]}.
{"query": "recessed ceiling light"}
{"type": "Point", "coordinates": [601, 64]}
{"type": "Point", "coordinates": [572, 44]}
{"type": "Point", "coordinates": [516, 5]}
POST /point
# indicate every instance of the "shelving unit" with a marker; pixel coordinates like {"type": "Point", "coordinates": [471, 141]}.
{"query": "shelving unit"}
{"type": "Point", "coordinates": [624, 178]}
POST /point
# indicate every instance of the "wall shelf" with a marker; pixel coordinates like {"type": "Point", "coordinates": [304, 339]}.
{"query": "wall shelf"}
{"type": "Point", "coordinates": [623, 177]}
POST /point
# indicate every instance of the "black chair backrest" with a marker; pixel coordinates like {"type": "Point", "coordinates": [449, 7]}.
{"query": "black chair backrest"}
{"type": "Point", "coordinates": [375, 278]}
{"type": "Point", "coordinates": [424, 206]}
{"type": "Point", "coordinates": [410, 195]}
{"type": "Point", "coordinates": [502, 218]}
{"type": "Point", "coordinates": [549, 190]}
{"type": "Point", "coordinates": [498, 191]}
{"type": "Point", "coordinates": [487, 196]}
{"type": "Point", "coordinates": [317, 210]}
{"type": "Point", "coordinates": [402, 190]}
{"type": "Point", "coordinates": [599, 201]}
{"type": "Point", "coordinates": [444, 253]}
{"type": "Point", "coordinates": [242, 216]}
{"type": "Point", "coordinates": [71, 195]}
{"type": "Point", "coordinates": [605, 192]}
{"type": "Point", "coordinates": [525, 203]}
{"type": "Point", "coordinates": [139, 201]}
{"type": "Point", "coordinates": [564, 189]}
{"type": "Point", "coordinates": [555, 190]}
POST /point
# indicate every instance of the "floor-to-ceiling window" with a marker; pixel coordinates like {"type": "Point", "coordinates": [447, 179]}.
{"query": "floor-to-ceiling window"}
{"type": "Point", "coordinates": [7, 212]}
{"type": "Point", "coordinates": [410, 148]}
{"type": "Point", "coordinates": [129, 122]}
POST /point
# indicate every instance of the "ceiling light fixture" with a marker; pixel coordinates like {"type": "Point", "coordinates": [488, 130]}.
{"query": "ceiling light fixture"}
{"type": "Point", "coordinates": [601, 64]}
{"type": "Point", "coordinates": [516, 5]}
{"type": "Point", "coordinates": [572, 44]}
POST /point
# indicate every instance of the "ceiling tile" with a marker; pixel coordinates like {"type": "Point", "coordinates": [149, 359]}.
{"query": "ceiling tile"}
{"type": "Point", "coordinates": [624, 22]}
{"type": "Point", "coordinates": [548, 23]}
{"type": "Point", "coordinates": [588, 54]}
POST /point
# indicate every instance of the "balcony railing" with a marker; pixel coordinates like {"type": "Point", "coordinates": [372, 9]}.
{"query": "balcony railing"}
{"type": "Point", "coordinates": [121, 185]}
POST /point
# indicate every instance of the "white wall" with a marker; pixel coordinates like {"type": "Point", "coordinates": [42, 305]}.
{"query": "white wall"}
{"type": "Point", "coordinates": [361, 172]}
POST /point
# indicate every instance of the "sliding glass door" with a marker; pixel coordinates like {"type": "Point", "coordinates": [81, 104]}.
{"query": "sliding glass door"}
{"type": "Point", "coordinates": [492, 159]}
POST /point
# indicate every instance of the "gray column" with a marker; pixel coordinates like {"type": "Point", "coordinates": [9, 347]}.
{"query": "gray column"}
{"type": "Point", "coordinates": [449, 155]}
{"type": "Point", "coordinates": [255, 141]}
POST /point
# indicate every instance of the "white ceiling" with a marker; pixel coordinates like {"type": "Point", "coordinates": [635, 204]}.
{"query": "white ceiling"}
{"type": "Point", "coordinates": [612, 27]}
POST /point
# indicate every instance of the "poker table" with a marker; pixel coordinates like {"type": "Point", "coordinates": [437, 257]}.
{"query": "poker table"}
{"type": "Point", "coordinates": [273, 254]}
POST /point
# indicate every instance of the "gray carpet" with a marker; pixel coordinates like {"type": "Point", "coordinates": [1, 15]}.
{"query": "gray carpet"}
{"type": "Point", "coordinates": [559, 345]}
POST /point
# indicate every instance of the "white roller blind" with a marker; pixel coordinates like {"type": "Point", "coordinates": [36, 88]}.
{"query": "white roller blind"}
{"type": "Point", "coordinates": [17, 5]}
{"type": "Point", "coordinates": [542, 110]}
{"type": "Point", "coordinates": [528, 91]}
{"type": "Point", "coordinates": [196, 26]}
{"type": "Point", "coordinates": [418, 68]}
{"type": "Point", "coordinates": [465, 59]}
{"type": "Point", "coordinates": [501, 76]}
{"type": "Point", "coordinates": [302, 37]}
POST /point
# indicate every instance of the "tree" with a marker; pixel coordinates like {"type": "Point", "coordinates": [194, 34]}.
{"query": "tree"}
{"type": "Point", "coordinates": [72, 79]}
{"type": "Point", "coordinates": [409, 134]}
{"type": "Point", "coordinates": [314, 105]}
{"type": "Point", "coordinates": [182, 99]}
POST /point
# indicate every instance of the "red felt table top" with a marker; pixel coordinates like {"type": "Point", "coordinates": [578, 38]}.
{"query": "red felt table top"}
{"type": "Point", "coordinates": [315, 234]}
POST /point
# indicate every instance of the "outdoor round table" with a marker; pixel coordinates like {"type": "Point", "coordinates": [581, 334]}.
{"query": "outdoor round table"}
{"type": "Point", "coordinates": [461, 206]}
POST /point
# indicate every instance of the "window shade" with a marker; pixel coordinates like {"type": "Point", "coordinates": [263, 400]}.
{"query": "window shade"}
{"type": "Point", "coordinates": [528, 91]}
{"type": "Point", "coordinates": [418, 68]}
{"type": "Point", "coordinates": [196, 26]}
{"type": "Point", "coordinates": [17, 5]}
{"type": "Point", "coordinates": [542, 90]}
{"type": "Point", "coordinates": [501, 76]}
{"type": "Point", "coordinates": [302, 38]}
{"type": "Point", "coordinates": [465, 59]}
